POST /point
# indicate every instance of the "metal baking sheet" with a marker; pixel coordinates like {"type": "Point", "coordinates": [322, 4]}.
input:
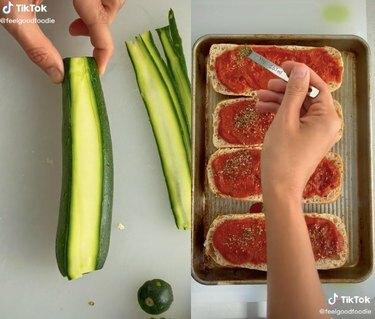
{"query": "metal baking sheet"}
{"type": "Point", "coordinates": [354, 206]}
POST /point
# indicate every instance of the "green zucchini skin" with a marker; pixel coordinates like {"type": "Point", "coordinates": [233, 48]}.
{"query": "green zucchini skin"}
{"type": "Point", "coordinates": [66, 190]}
{"type": "Point", "coordinates": [167, 132]}
{"type": "Point", "coordinates": [155, 296]}
{"type": "Point", "coordinates": [176, 40]}
{"type": "Point", "coordinates": [62, 236]}
{"type": "Point", "coordinates": [107, 186]}
{"type": "Point", "coordinates": [178, 70]}
{"type": "Point", "coordinates": [172, 88]}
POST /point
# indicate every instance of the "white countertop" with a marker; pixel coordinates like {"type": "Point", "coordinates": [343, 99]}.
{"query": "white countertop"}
{"type": "Point", "coordinates": [268, 16]}
{"type": "Point", "coordinates": [30, 178]}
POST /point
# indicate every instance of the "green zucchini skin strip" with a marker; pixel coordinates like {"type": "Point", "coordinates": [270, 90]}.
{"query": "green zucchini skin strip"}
{"type": "Point", "coordinates": [176, 40]}
{"type": "Point", "coordinates": [62, 237]}
{"type": "Point", "coordinates": [108, 174]}
{"type": "Point", "coordinates": [178, 71]}
{"type": "Point", "coordinates": [164, 122]}
{"type": "Point", "coordinates": [167, 77]}
{"type": "Point", "coordinates": [66, 190]}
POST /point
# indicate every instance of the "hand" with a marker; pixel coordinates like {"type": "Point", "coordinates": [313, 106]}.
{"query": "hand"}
{"type": "Point", "coordinates": [95, 19]}
{"type": "Point", "coordinates": [37, 46]}
{"type": "Point", "coordinates": [96, 16]}
{"type": "Point", "coordinates": [302, 133]}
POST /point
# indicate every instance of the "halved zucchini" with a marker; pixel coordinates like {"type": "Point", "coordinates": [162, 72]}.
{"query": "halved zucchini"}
{"type": "Point", "coordinates": [83, 233]}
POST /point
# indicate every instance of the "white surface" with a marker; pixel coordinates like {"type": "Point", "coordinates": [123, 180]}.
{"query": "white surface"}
{"type": "Point", "coordinates": [268, 16]}
{"type": "Point", "coordinates": [274, 16]}
{"type": "Point", "coordinates": [30, 177]}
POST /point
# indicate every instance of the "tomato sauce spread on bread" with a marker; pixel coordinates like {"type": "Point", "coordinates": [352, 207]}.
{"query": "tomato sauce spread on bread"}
{"type": "Point", "coordinates": [325, 238]}
{"type": "Point", "coordinates": [240, 123]}
{"type": "Point", "coordinates": [239, 74]}
{"type": "Point", "coordinates": [243, 240]}
{"type": "Point", "coordinates": [325, 178]}
{"type": "Point", "coordinates": [236, 173]}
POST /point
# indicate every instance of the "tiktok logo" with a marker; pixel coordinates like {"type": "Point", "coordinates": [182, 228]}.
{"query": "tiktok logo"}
{"type": "Point", "coordinates": [8, 7]}
{"type": "Point", "coordinates": [349, 299]}
{"type": "Point", "coordinates": [333, 299]}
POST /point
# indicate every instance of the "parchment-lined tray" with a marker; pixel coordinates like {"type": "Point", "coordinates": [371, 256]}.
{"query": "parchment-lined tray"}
{"type": "Point", "coordinates": [355, 204]}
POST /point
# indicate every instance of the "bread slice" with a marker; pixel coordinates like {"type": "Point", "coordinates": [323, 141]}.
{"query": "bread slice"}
{"type": "Point", "coordinates": [334, 194]}
{"type": "Point", "coordinates": [211, 180]}
{"type": "Point", "coordinates": [219, 142]}
{"type": "Point", "coordinates": [218, 49]}
{"type": "Point", "coordinates": [328, 263]}
{"type": "Point", "coordinates": [331, 197]}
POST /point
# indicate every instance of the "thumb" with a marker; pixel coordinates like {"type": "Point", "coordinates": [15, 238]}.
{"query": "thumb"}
{"type": "Point", "coordinates": [41, 51]}
{"type": "Point", "coordinates": [296, 89]}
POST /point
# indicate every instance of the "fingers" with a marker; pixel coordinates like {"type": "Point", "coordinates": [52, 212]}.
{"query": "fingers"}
{"type": "Point", "coordinates": [291, 97]}
{"type": "Point", "coordinates": [78, 28]}
{"type": "Point", "coordinates": [269, 101]}
{"type": "Point", "coordinates": [113, 6]}
{"type": "Point", "coordinates": [277, 85]}
{"type": "Point", "coordinates": [267, 107]}
{"type": "Point", "coordinates": [40, 50]}
{"type": "Point", "coordinates": [315, 80]}
{"type": "Point", "coordinates": [270, 96]}
{"type": "Point", "coordinates": [295, 93]}
{"type": "Point", "coordinates": [101, 39]}
{"type": "Point", "coordinates": [95, 19]}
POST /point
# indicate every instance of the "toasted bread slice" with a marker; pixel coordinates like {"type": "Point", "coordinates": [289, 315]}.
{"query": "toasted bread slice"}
{"type": "Point", "coordinates": [331, 196]}
{"type": "Point", "coordinates": [335, 193]}
{"type": "Point", "coordinates": [218, 49]}
{"type": "Point", "coordinates": [211, 180]}
{"type": "Point", "coordinates": [219, 142]}
{"type": "Point", "coordinates": [323, 263]}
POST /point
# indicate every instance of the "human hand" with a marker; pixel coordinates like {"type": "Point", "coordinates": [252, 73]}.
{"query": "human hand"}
{"type": "Point", "coordinates": [301, 134]}
{"type": "Point", "coordinates": [95, 19]}
{"type": "Point", "coordinates": [31, 38]}
{"type": "Point", "coordinates": [96, 16]}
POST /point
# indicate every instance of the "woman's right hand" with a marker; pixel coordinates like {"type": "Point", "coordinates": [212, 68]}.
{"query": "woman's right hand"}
{"type": "Point", "coordinates": [302, 133]}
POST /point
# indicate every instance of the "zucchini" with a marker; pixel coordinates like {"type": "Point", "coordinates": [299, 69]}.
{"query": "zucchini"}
{"type": "Point", "coordinates": [178, 70]}
{"type": "Point", "coordinates": [167, 131]}
{"type": "Point", "coordinates": [167, 77]}
{"type": "Point", "coordinates": [176, 40]}
{"type": "Point", "coordinates": [84, 225]}
{"type": "Point", "coordinates": [155, 296]}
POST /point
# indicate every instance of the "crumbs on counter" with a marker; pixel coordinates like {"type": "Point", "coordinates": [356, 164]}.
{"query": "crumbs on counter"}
{"type": "Point", "coordinates": [120, 226]}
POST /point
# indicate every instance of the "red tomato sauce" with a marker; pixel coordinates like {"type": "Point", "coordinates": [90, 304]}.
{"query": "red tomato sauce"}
{"type": "Point", "coordinates": [237, 174]}
{"type": "Point", "coordinates": [239, 74]}
{"type": "Point", "coordinates": [256, 208]}
{"type": "Point", "coordinates": [325, 238]}
{"type": "Point", "coordinates": [325, 178]}
{"type": "Point", "coordinates": [242, 241]}
{"type": "Point", "coordinates": [240, 123]}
